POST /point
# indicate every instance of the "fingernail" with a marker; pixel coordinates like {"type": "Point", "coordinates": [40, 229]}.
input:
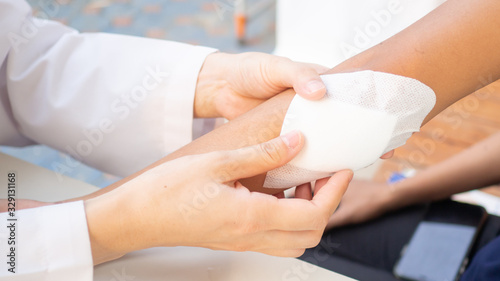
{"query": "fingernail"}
{"type": "Point", "coordinates": [351, 176]}
{"type": "Point", "coordinates": [314, 86]}
{"type": "Point", "coordinates": [291, 139]}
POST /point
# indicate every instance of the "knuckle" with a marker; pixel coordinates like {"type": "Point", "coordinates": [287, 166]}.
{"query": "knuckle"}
{"type": "Point", "coordinates": [319, 222]}
{"type": "Point", "coordinates": [297, 253]}
{"type": "Point", "coordinates": [312, 239]}
{"type": "Point", "coordinates": [284, 61]}
{"type": "Point", "coordinates": [251, 222]}
{"type": "Point", "coordinates": [225, 164]}
{"type": "Point", "coordinates": [324, 221]}
{"type": "Point", "coordinates": [249, 227]}
{"type": "Point", "coordinates": [315, 239]}
{"type": "Point", "coordinates": [248, 59]}
{"type": "Point", "coordinates": [241, 247]}
{"type": "Point", "coordinates": [219, 157]}
{"type": "Point", "coordinates": [271, 152]}
{"type": "Point", "coordinates": [190, 163]}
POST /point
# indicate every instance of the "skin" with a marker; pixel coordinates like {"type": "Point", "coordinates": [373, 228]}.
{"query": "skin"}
{"type": "Point", "coordinates": [179, 202]}
{"type": "Point", "coordinates": [451, 50]}
{"type": "Point", "coordinates": [473, 168]}
{"type": "Point", "coordinates": [161, 201]}
{"type": "Point", "coordinates": [230, 85]}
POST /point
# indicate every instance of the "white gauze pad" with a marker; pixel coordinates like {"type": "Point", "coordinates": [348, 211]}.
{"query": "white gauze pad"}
{"type": "Point", "coordinates": [363, 115]}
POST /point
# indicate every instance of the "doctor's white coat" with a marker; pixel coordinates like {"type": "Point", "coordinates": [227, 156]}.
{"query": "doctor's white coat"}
{"type": "Point", "coordinates": [117, 103]}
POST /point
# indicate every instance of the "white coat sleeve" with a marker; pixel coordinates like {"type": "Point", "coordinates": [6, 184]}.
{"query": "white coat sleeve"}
{"type": "Point", "coordinates": [47, 244]}
{"type": "Point", "coordinates": [117, 103]}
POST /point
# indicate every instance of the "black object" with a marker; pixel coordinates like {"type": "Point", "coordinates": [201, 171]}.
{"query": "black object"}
{"type": "Point", "coordinates": [440, 246]}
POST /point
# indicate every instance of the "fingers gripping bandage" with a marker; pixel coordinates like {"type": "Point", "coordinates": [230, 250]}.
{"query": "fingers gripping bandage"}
{"type": "Point", "coordinates": [363, 115]}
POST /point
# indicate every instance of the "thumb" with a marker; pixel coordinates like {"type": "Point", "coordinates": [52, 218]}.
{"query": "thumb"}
{"type": "Point", "coordinates": [330, 193]}
{"type": "Point", "coordinates": [303, 77]}
{"type": "Point", "coordinates": [261, 158]}
{"type": "Point", "coordinates": [307, 81]}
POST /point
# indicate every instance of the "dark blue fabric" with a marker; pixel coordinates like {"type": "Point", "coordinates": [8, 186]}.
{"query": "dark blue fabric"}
{"type": "Point", "coordinates": [486, 264]}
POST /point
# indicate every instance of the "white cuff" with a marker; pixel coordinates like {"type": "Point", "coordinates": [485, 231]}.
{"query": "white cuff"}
{"type": "Point", "coordinates": [52, 243]}
{"type": "Point", "coordinates": [180, 101]}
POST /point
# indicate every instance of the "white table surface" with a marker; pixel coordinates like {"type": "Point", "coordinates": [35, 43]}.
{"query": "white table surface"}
{"type": "Point", "coordinates": [177, 263]}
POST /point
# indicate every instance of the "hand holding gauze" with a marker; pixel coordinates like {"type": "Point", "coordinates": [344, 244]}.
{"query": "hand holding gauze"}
{"type": "Point", "coordinates": [363, 115]}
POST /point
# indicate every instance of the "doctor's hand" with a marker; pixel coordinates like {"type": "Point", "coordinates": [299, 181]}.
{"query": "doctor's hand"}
{"type": "Point", "coordinates": [232, 84]}
{"type": "Point", "coordinates": [198, 201]}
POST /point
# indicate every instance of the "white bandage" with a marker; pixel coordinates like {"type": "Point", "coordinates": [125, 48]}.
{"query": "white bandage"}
{"type": "Point", "coordinates": [363, 115]}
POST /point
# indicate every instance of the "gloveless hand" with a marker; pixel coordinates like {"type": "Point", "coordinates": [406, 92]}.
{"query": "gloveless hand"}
{"type": "Point", "coordinates": [230, 85]}
{"type": "Point", "coordinates": [198, 201]}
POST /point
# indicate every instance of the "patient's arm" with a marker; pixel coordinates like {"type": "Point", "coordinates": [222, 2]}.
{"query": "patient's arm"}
{"type": "Point", "coordinates": [452, 50]}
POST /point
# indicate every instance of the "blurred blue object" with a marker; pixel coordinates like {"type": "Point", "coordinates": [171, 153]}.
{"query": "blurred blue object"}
{"type": "Point", "coordinates": [399, 176]}
{"type": "Point", "coordinates": [395, 177]}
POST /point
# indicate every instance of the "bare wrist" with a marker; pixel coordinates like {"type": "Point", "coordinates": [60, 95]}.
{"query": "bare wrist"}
{"type": "Point", "coordinates": [398, 196]}
{"type": "Point", "coordinates": [210, 82]}
{"type": "Point", "coordinates": [105, 234]}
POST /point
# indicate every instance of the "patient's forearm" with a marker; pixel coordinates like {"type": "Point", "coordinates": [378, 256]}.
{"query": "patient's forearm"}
{"type": "Point", "coordinates": [473, 168]}
{"type": "Point", "coordinates": [454, 50]}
